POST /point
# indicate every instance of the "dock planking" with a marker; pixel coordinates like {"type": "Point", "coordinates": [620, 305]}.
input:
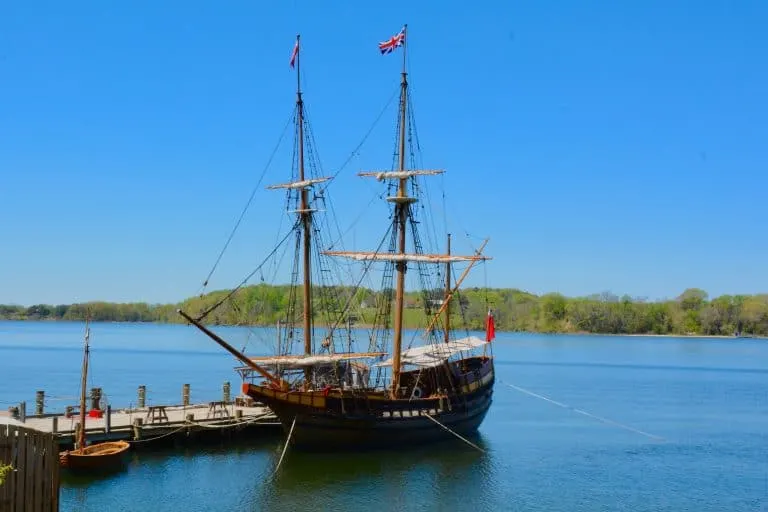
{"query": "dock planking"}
{"type": "Point", "coordinates": [153, 422]}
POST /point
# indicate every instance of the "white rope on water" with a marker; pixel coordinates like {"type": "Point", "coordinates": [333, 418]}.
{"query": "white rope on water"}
{"type": "Point", "coordinates": [470, 443]}
{"type": "Point", "coordinates": [285, 448]}
{"type": "Point", "coordinates": [585, 413]}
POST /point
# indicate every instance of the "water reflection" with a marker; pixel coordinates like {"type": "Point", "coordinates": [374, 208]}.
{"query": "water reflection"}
{"type": "Point", "coordinates": [437, 475]}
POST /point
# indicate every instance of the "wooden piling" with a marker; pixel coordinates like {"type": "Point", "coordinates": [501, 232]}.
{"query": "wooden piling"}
{"type": "Point", "coordinates": [142, 396]}
{"type": "Point", "coordinates": [108, 420]}
{"type": "Point", "coordinates": [238, 414]}
{"type": "Point", "coordinates": [185, 395]}
{"type": "Point", "coordinates": [137, 422]}
{"type": "Point", "coordinates": [23, 412]}
{"type": "Point", "coordinates": [95, 398]}
{"type": "Point", "coordinates": [39, 402]}
{"type": "Point", "coordinates": [225, 392]}
{"type": "Point", "coordinates": [55, 428]}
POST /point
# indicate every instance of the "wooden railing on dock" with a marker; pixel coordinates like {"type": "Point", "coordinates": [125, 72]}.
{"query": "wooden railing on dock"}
{"type": "Point", "coordinates": [33, 482]}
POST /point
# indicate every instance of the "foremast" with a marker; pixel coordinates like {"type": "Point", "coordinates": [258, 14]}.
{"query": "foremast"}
{"type": "Point", "coordinates": [305, 215]}
{"type": "Point", "coordinates": [304, 212]}
{"type": "Point", "coordinates": [446, 299]}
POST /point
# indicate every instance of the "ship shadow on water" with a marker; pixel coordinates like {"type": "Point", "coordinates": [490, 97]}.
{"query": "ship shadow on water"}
{"type": "Point", "coordinates": [432, 471]}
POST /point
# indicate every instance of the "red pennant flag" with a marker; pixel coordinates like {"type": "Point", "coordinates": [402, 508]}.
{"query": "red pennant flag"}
{"type": "Point", "coordinates": [294, 53]}
{"type": "Point", "coordinates": [490, 327]}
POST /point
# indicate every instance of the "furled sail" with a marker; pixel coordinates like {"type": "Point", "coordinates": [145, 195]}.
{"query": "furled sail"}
{"type": "Point", "coordinates": [385, 256]}
{"type": "Point", "coordinates": [427, 356]}
{"type": "Point", "coordinates": [306, 361]}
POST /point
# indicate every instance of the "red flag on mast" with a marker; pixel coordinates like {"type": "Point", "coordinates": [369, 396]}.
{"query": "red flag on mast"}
{"type": "Point", "coordinates": [490, 327]}
{"type": "Point", "coordinates": [294, 53]}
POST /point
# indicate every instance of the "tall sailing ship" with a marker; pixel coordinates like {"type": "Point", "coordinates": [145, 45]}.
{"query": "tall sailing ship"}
{"type": "Point", "coordinates": [332, 397]}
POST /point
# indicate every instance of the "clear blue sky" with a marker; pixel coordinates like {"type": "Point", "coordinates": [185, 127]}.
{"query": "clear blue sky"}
{"type": "Point", "coordinates": [601, 145]}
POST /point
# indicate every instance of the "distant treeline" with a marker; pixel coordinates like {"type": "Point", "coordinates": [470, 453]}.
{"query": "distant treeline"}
{"type": "Point", "coordinates": [514, 310]}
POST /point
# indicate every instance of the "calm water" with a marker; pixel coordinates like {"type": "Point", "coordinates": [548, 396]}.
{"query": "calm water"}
{"type": "Point", "coordinates": [708, 399]}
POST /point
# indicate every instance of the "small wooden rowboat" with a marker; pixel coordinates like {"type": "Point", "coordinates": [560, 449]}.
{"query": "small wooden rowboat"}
{"type": "Point", "coordinates": [96, 456]}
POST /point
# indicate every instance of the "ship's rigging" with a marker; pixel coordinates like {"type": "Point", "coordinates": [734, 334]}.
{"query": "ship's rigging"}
{"type": "Point", "coordinates": [318, 314]}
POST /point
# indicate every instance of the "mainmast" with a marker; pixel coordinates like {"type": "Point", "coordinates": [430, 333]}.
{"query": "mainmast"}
{"type": "Point", "coordinates": [402, 203]}
{"type": "Point", "coordinates": [401, 210]}
{"type": "Point", "coordinates": [83, 384]}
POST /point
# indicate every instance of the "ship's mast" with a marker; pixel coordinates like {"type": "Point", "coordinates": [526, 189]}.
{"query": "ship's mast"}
{"type": "Point", "coordinates": [401, 212]}
{"type": "Point", "coordinates": [83, 384]}
{"type": "Point", "coordinates": [402, 202]}
{"type": "Point", "coordinates": [306, 217]}
{"type": "Point", "coordinates": [448, 293]}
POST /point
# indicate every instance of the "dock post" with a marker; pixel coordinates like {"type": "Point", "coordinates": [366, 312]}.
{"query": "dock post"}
{"type": "Point", "coordinates": [108, 420]}
{"type": "Point", "coordinates": [23, 412]}
{"type": "Point", "coordinates": [225, 392]}
{"type": "Point", "coordinates": [185, 395]}
{"type": "Point", "coordinates": [95, 398]}
{"type": "Point", "coordinates": [39, 403]}
{"type": "Point", "coordinates": [238, 414]}
{"type": "Point", "coordinates": [142, 396]}
{"type": "Point", "coordinates": [55, 428]}
{"type": "Point", "coordinates": [137, 422]}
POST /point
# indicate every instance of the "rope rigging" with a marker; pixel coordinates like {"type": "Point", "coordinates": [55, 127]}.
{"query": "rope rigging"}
{"type": "Point", "coordinates": [247, 205]}
{"type": "Point", "coordinates": [248, 277]}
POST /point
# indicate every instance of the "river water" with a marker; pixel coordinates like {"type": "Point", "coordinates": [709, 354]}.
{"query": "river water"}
{"type": "Point", "coordinates": [707, 399]}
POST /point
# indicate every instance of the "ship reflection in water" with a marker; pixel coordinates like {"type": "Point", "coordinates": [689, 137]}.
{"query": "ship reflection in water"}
{"type": "Point", "coordinates": [428, 478]}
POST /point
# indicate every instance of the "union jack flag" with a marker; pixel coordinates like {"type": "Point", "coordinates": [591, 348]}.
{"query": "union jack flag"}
{"type": "Point", "coordinates": [395, 41]}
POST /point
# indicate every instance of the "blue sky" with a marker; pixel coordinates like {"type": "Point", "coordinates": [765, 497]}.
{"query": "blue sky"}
{"type": "Point", "coordinates": [600, 145]}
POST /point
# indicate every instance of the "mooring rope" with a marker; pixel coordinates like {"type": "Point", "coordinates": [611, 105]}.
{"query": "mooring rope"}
{"type": "Point", "coordinates": [585, 413]}
{"type": "Point", "coordinates": [158, 437]}
{"type": "Point", "coordinates": [229, 424]}
{"type": "Point", "coordinates": [188, 423]}
{"type": "Point", "coordinates": [470, 443]}
{"type": "Point", "coordinates": [285, 448]}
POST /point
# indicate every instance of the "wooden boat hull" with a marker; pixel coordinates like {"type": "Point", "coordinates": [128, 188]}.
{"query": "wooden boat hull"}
{"type": "Point", "coordinates": [332, 421]}
{"type": "Point", "coordinates": [108, 455]}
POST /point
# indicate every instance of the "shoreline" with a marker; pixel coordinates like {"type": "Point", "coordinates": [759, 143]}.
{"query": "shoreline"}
{"type": "Point", "coordinates": [365, 326]}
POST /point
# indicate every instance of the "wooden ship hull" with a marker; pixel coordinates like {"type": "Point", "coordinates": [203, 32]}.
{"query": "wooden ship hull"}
{"type": "Point", "coordinates": [353, 419]}
{"type": "Point", "coordinates": [108, 455]}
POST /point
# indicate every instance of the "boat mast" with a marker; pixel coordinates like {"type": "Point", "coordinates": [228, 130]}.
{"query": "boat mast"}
{"type": "Point", "coordinates": [401, 212]}
{"type": "Point", "coordinates": [83, 383]}
{"type": "Point", "coordinates": [448, 293]}
{"type": "Point", "coordinates": [306, 218]}
{"type": "Point", "coordinates": [402, 202]}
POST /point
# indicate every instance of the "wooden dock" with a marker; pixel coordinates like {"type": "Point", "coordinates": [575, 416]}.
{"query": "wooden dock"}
{"type": "Point", "coordinates": [155, 422]}
{"type": "Point", "coordinates": [146, 423]}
